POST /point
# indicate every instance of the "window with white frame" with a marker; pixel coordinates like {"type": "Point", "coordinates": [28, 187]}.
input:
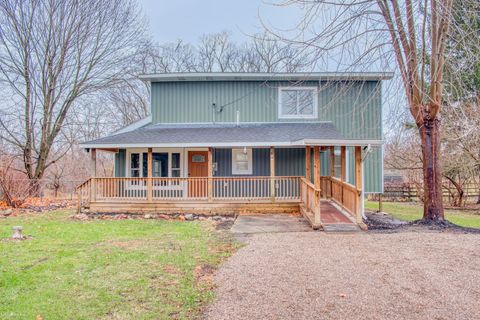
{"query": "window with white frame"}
{"type": "Point", "coordinates": [297, 102]}
{"type": "Point", "coordinates": [242, 161]}
{"type": "Point", "coordinates": [175, 169]}
{"type": "Point", "coordinates": [164, 164]}
{"type": "Point", "coordinates": [135, 165]}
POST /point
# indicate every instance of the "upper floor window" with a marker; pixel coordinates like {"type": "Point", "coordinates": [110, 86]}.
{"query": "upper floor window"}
{"type": "Point", "coordinates": [297, 102]}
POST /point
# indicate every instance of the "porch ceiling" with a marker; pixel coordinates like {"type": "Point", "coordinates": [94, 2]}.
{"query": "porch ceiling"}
{"type": "Point", "coordinates": [229, 135]}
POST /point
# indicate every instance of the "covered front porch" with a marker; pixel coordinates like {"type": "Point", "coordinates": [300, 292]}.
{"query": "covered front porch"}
{"type": "Point", "coordinates": [210, 181]}
{"type": "Point", "coordinates": [231, 169]}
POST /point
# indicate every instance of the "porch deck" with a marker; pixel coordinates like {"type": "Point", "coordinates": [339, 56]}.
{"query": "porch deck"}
{"type": "Point", "coordinates": [224, 196]}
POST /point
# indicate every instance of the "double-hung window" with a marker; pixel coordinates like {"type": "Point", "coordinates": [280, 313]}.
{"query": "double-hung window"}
{"type": "Point", "coordinates": [297, 102]}
{"type": "Point", "coordinates": [164, 164]}
{"type": "Point", "coordinates": [242, 161]}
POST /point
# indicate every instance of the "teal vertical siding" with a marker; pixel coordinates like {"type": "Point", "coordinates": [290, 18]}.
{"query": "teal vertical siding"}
{"type": "Point", "coordinates": [353, 106]}
{"type": "Point", "coordinates": [325, 163]}
{"type": "Point", "coordinates": [120, 163]}
{"type": "Point", "coordinates": [373, 167]}
{"type": "Point", "coordinates": [290, 162]}
{"type": "Point", "coordinates": [260, 159]}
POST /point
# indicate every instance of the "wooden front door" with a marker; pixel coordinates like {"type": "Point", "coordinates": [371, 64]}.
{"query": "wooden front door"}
{"type": "Point", "coordinates": [197, 168]}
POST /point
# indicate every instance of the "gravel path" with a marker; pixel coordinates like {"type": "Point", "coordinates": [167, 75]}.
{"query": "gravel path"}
{"type": "Point", "coordinates": [314, 275]}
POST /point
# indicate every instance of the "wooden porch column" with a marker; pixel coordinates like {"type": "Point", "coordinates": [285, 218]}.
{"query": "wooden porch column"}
{"type": "Point", "coordinates": [149, 174]}
{"type": "Point", "coordinates": [332, 169]}
{"type": "Point", "coordinates": [343, 168]}
{"type": "Point", "coordinates": [93, 174]}
{"type": "Point", "coordinates": [358, 184]}
{"type": "Point", "coordinates": [316, 178]}
{"type": "Point", "coordinates": [272, 174]}
{"type": "Point", "coordinates": [210, 175]}
{"type": "Point", "coordinates": [308, 163]}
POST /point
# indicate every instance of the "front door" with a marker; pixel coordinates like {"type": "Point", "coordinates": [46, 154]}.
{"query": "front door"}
{"type": "Point", "coordinates": [197, 168]}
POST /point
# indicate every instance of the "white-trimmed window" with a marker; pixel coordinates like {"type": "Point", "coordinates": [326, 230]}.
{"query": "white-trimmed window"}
{"type": "Point", "coordinates": [242, 161]}
{"type": "Point", "coordinates": [164, 164]}
{"type": "Point", "coordinates": [135, 165]}
{"type": "Point", "coordinates": [297, 102]}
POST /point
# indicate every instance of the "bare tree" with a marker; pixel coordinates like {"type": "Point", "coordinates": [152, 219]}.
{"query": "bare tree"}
{"type": "Point", "coordinates": [372, 33]}
{"type": "Point", "coordinates": [53, 53]}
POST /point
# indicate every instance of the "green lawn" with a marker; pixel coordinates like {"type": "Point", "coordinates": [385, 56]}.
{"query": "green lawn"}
{"type": "Point", "coordinates": [410, 212]}
{"type": "Point", "coordinates": [125, 269]}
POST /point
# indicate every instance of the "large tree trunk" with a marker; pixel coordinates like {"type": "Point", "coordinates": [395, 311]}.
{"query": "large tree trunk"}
{"type": "Point", "coordinates": [432, 178]}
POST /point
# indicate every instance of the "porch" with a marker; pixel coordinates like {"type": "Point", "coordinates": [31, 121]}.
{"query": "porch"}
{"type": "Point", "coordinates": [321, 199]}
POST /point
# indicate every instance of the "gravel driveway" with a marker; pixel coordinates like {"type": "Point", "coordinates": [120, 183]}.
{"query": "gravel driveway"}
{"type": "Point", "coordinates": [314, 275]}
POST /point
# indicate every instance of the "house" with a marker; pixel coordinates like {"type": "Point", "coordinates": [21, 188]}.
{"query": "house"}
{"type": "Point", "coordinates": [222, 143]}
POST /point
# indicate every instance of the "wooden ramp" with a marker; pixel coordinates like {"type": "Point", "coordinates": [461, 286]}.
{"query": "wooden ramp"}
{"type": "Point", "coordinates": [332, 218]}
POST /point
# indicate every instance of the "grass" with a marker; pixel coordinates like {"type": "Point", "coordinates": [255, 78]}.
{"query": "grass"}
{"type": "Point", "coordinates": [124, 269]}
{"type": "Point", "coordinates": [413, 211]}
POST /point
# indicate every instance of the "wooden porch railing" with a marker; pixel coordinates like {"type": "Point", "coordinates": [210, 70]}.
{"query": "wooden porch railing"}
{"type": "Point", "coordinates": [310, 196]}
{"type": "Point", "coordinates": [342, 193]}
{"type": "Point", "coordinates": [181, 189]}
{"type": "Point", "coordinates": [83, 194]}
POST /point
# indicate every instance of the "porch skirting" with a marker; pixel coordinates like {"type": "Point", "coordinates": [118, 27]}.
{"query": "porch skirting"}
{"type": "Point", "coordinates": [213, 208]}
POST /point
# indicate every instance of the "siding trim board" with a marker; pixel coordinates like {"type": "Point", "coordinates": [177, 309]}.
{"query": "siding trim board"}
{"type": "Point", "coordinates": [299, 143]}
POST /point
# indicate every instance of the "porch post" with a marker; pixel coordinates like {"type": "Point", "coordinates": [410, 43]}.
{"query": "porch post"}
{"type": "Point", "coordinates": [316, 178]}
{"type": "Point", "coordinates": [93, 174]}
{"type": "Point", "coordinates": [272, 174]}
{"type": "Point", "coordinates": [332, 169]}
{"type": "Point", "coordinates": [149, 174]}
{"type": "Point", "coordinates": [210, 175]}
{"type": "Point", "coordinates": [308, 163]}
{"type": "Point", "coordinates": [358, 184]}
{"type": "Point", "coordinates": [342, 170]}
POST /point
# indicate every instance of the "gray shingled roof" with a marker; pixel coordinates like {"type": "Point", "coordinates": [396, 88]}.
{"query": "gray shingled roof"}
{"type": "Point", "coordinates": [219, 134]}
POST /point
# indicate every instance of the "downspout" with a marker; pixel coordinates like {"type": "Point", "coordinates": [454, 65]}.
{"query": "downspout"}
{"type": "Point", "coordinates": [368, 149]}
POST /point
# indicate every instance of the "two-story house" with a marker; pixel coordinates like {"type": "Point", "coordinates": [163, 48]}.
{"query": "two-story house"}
{"type": "Point", "coordinates": [222, 143]}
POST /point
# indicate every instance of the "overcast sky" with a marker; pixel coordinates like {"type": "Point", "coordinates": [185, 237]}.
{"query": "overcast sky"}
{"type": "Point", "coordinates": [171, 20]}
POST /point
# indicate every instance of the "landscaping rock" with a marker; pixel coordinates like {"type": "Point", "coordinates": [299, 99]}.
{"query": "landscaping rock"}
{"type": "Point", "coordinates": [81, 216]}
{"type": "Point", "coordinates": [6, 213]}
{"type": "Point", "coordinates": [148, 216]}
{"type": "Point", "coordinates": [216, 218]}
{"type": "Point", "coordinates": [17, 232]}
{"type": "Point", "coordinates": [189, 217]}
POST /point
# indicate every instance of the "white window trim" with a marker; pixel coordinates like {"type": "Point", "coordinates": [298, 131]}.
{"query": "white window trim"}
{"type": "Point", "coordinates": [249, 170]}
{"type": "Point", "coordinates": [314, 115]}
{"type": "Point", "coordinates": [142, 150]}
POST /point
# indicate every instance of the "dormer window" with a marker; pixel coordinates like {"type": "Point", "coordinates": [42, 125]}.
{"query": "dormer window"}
{"type": "Point", "coordinates": [297, 102]}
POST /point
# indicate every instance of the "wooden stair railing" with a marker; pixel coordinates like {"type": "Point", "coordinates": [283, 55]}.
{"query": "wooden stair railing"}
{"type": "Point", "coordinates": [83, 195]}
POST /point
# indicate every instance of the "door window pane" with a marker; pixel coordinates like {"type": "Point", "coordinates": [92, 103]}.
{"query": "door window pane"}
{"type": "Point", "coordinates": [198, 158]}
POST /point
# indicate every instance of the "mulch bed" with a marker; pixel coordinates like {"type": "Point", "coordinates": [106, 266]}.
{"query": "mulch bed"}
{"type": "Point", "coordinates": [381, 222]}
